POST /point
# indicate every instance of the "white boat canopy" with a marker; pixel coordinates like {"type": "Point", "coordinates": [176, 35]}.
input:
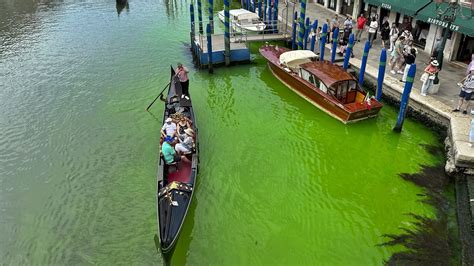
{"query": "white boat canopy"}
{"type": "Point", "coordinates": [243, 14]}
{"type": "Point", "coordinates": [295, 58]}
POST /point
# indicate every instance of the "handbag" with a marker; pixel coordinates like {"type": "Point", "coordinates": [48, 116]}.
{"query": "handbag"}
{"type": "Point", "coordinates": [424, 77]}
{"type": "Point", "coordinates": [432, 77]}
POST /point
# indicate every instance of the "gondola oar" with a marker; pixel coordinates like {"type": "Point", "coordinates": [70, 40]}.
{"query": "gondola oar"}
{"type": "Point", "coordinates": [157, 96]}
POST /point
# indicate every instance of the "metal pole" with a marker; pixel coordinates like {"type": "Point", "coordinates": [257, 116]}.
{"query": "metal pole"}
{"type": "Point", "coordinates": [200, 16]}
{"type": "Point", "coordinates": [209, 47]}
{"type": "Point", "coordinates": [381, 75]}
{"type": "Point", "coordinates": [364, 62]}
{"type": "Point", "coordinates": [293, 35]}
{"type": "Point", "coordinates": [335, 34]}
{"type": "Point", "coordinates": [211, 14]}
{"type": "Point", "coordinates": [226, 32]}
{"type": "Point", "coordinates": [306, 33]}
{"type": "Point", "coordinates": [313, 37]}
{"type": "Point", "coordinates": [323, 42]}
{"type": "Point", "coordinates": [405, 99]}
{"type": "Point", "coordinates": [348, 54]}
{"type": "Point", "coordinates": [301, 30]}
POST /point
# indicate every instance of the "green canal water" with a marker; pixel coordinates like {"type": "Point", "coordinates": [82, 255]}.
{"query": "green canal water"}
{"type": "Point", "coordinates": [280, 182]}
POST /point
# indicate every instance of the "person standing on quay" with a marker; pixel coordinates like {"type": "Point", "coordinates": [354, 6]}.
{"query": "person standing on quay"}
{"type": "Point", "coordinates": [373, 30]}
{"type": "Point", "coordinates": [361, 20]}
{"type": "Point", "coordinates": [429, 76]}
{"type": "Point", "coordinates": [410, 57]}
{"type": "Point", "coordinates": [385, 32]}
{"type": "Point", "coordinates": [467, 87]}
{"type": "Point", "coordinates": [182, 74]}
{"type": "Point", "coordinates": [393, 36]}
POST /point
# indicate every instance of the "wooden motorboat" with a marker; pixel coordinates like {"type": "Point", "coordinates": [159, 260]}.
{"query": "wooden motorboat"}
{"type": "Point", "coordinates": [242, 20]}
{"type": "Point", "coordinates": [175, 182]}
{"type": "Point", "coordinates": [322, 83]}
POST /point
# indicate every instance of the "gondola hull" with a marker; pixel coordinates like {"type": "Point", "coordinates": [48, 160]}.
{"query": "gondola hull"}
{"type": "Point", "coordinates": [175, 184]}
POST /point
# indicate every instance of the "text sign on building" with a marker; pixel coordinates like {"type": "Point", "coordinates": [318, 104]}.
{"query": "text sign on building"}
{"type": "Point", "coordinates": [386, 6]}
{"type": "Point", "coordinates": [443, 24]}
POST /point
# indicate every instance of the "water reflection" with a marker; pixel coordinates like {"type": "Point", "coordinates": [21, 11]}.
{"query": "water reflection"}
{"type": "Point", "coordinates": [122, 4]}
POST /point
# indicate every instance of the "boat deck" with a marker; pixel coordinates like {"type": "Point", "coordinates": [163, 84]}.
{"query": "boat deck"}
{"type": "Point", "coordinates": [183, 174]}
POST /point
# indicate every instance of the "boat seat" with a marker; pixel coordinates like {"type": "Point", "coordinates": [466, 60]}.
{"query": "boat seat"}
{"type": "Point", "coordinates": [170, 165]}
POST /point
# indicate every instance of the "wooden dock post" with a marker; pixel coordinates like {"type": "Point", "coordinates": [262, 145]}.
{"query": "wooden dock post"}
{"type": "Point", "coordinates": [301, 24]}
{"type": "Point", "coordinates": [348, 54]}
{"type": "Point", "coordinates": [264, 11]}
{"type": "Point", "coordinates": [335, 34]}
{"type": "Point", "coordinates": [405, 99]}
{"type": "Point", "coordinates": [200, 16]}
{"type": "Point", "coordinates": [306, 33]}
{"type": "Point", "coordinates": [293, 35]}
{"type": "Point", "coordinates": [227, 32]}
{"type": "Point", "coordinates": [323, 42]}
{"type": "Point", "coordinates": [381, 75]}
{"type": "Point", "coordinates": [275, 17]}
{"type": "Point", "coordinates": [259, 6]}
{"type": "Point", "coordinates": [313, 34]}
{"type": "Point", "coordinates": [364, 62]}
{"type": "Point", "coordinates": [211, 14]}
{"type": "Point", "coordinates": [209, 48]}
{"type": "Point", "coordinates": [269, 16]}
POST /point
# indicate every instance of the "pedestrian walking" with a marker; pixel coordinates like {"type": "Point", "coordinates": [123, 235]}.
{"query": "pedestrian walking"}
{"type": "Point", "coordinates": [409, 60]}
{"type": "Point", "coordinates": [393, 36]}
{"type": "Point", "coordinates": [182, 74]}
{"type": "Point", "coordinates": [348, 24]}
{"type": "Point", "coordinates": [396, 56]}
{"type": "Point", "coordinates": [385, 32]}
{"type": "Point", "coordinates": [373, 26]}
{"type": "Point", "coordinates": [467, 87]}
{"type": "Point", "coordinates": [428, 76]}
{"type": "Point", "coordinates": [361, 20]}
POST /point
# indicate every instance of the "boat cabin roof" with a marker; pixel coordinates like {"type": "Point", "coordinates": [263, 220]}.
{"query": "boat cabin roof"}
{"type": "Point", "coordinates": [295, 58]}
{"type": "Point", "coordinates": [327, 72]}
{"type": "Point", "coordinates": [243, 14]}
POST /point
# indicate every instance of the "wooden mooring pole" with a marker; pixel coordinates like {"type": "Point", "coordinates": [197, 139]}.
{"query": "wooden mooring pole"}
{"type": "Point", "coordinates": [381, 75]}
{"type": "Point", "coordinates": [348, 54]}
{"type": "Point", "coordinates": [364, 62]}
{"type": "Point", "coordinates": [323, 42]}
{"type": "Point", "coordinates": [313, 34]}
{"type": "Point", "coordinates": [335, 34]}
{"type": "Point", "coordinates": [209, 47]}
{"type": "Point", "coordinates": [227, 32]}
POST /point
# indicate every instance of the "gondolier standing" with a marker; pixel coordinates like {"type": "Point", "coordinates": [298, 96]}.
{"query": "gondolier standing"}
{"type": "Point", "coordinates": [182, 74]}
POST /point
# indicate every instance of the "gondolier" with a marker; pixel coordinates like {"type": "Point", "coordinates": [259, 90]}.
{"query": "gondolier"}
{"type": "Point", "coordinates": [182, 74]}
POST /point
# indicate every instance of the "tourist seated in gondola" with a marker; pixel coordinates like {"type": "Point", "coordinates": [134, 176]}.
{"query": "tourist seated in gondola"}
{"type": "Point", "coordinates": [169, 154]}
{"type": "Point", "coordinates": [185, 146]}
{"type": "Point", "coordinates": [183, 124]}
{"type": "Point", "coordinates": [169, 128]}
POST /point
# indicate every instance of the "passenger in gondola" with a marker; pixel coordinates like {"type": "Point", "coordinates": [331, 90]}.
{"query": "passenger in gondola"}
{"type": "Point", "coordinates": [183, 124]}
{"type": "Point", "coordinates": [169, 128]}
{"type": "Point", "coordinates": [185, 146]}
{"type": "Point", "coordinates": [169, 154]}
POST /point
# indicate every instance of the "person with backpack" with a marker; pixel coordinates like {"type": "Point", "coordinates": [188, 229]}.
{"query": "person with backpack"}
{"type": "Point", "coordinates": [393, 36]}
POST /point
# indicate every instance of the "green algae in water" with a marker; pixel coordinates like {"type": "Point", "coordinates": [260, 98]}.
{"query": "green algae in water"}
{"type": "Point", "coordinates": [280, 181]}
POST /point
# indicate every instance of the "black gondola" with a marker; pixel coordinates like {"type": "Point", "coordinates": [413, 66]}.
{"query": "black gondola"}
{"type": "Point", "coordinates": [176, 182]}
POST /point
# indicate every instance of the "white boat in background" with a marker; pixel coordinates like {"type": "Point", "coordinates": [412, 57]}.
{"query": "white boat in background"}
{"type": "Point", "coordinates": [243, 20]}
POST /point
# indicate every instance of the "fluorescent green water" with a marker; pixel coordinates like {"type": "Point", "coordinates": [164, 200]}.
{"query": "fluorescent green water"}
{"type": "Point", "coordinates": [280, 182]}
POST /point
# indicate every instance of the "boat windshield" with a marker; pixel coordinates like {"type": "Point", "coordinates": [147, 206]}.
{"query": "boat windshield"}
{"type": "Point", "coordinates": [345, 91]}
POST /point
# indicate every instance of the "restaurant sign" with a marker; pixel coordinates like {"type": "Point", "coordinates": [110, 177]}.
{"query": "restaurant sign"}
{"type": "Point", "coordinates": [443, 24]}
{"type": "Point", "coordinates": [386, 6]}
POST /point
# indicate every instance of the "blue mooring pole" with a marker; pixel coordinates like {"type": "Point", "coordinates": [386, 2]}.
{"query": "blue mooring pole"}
{"type": "Point", "coordinates": [293, 34]}
{"type": "Point", "coordinates": [269, 16]}
{"type": "Point", "coordinates": [323, 42]}
{"type": "Point", "coordinates": [275, 17]}
{"type": "Point", "coordinates": [364, 62]}
{"type": "Point", "coordinates": [301, 24]}
{"type": "Point", "coordinates": [313, 37]}
{"type": "Point", "coordinates": [211, 14]}
{"type": "Point", "coordinates": [193, 30]}
{"type": "Point", "coordinates": [335, 34]}
{"type": "Point", "coordinates": [209, 47]}
{"type": "Point", "coordinates": [200, 16]}
{"type": "Point", "coordinates": [381, 76]}
{"type": "Point", "coordinates": [405, 98]}
{"type": "Point", "coordinates": [264, 11]}
{"type": "Point", "coordinates": [260, 8]}
{"type": "Point", "coordinates": [226, 33]}
{"type": "Point", "coordinates": [306, 33]}
{"type": "Point", "coordinates": [350, 44]}
{"type": "Point", "coordinates": [247, 4]}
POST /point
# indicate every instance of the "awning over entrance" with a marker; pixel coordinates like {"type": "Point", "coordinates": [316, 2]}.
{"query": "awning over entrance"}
{"type": "Point", "coordinates": [429, 13]}
{"type": "Point", "coordinates": [463, 23]}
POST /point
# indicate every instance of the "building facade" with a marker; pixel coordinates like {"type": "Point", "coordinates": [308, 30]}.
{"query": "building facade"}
{"type": "Point", "coordinates": [419, 16]}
